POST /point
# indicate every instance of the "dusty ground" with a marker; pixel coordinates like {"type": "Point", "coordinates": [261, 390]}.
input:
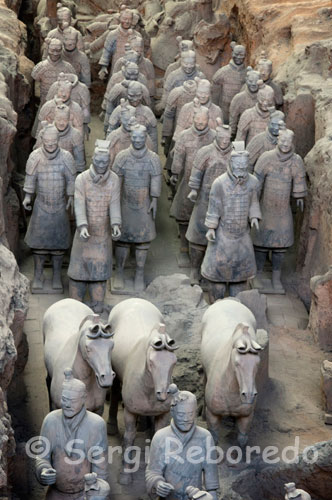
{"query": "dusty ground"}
{"type": "Point", "coordinates": [291, 405]}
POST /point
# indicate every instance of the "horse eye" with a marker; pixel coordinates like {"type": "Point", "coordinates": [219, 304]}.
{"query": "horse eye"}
{"type": "Point", "coordinates": [88, 349]}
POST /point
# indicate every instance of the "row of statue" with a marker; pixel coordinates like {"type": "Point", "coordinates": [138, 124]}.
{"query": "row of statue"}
{"type": "Point", "coordinates": [231, 170]}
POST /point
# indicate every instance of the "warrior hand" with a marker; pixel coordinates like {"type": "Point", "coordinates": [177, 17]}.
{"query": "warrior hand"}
{"type": "Point", "coordinates": [174, 179]}
{"type": "Point", "coordinates": [87, 131]}
{"type": "Point", "coordinates": [84, 233]}
{"type": "Point", "coordinates": [192, 196]}
{"type": "Point", "coordinates": [254, 223]}
{"type": "Point", "coordinates": [103, 73]}
{"type": "Point", "coordinates": [26, 202]}
{"type": "Point", "coordinates": [116, 232]}
{"type": "Point", "coordinates": [153, 207]}
{"type": "Point", "coordinates": [70, 204]}
{"type": "Point", "coordinates": [300, 204]}
{"type": "Point", "coordinates": [211, 235]}
{"type": "Point", "coordinates": [48, 476]}
{"type": "Point", "coordinates": [164, 489]}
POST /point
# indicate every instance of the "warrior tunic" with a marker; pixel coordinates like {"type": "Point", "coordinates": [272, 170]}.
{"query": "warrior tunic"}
{"type": "Point", "coordinates": [176, 79]}
{"type": "Point", "coordinates": [51, 176]}
{"type": "Point", "coordinates": [168, 461]}
{"type": "Point", "coordinates": [47, 113]}
{"type": "Point", "coordinates": [186, 148]}
{"type": "Point", "coordinates": [186, 117]}
{"type": "Point", "coordinates": [210, 162]}
{"type": "Point", "coordinates": [80, 63]}
{"type": "Point", "coordinates": [280, 176]}
{"type": "Point", "coordinates": [226, 83]}
{"type": "Point", "coordinates": [119, 140]}
{"type": "Point", "coordinates": [231, 257]}
{"type": "Point", "coordinates": [115, 45]}
{"type": "Point", "coordinates": [145, 67]}
{"type": "Point", "coordinates": [242, 101]}
{"type": "Point", "coordinates": [47, 72]}
{"type": "Point", "coordinates": [140, 174]}
{"type": "Point", "coordinates": [177, 98]}
{"type": "Point", "coordinates": [97, 206]}
{"type": "Point", "coordinates": [89, 430]}
{"type": "Point", "coordinates": [258, 145]}
{"type": "Point", "coordinates": [252, 122]}
{"type": "Point", "coordinates": [79, 93]}
{"type": "Point", "coordinates": [59, 35]}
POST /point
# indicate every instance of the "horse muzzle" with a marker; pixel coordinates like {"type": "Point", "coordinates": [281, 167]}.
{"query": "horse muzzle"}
{"type": "Point", "coordinates": [161, 395]}
{"type": "Point", "coordinates": [105, 380]}
{"type": "Point", "coordinates": [248, 398]}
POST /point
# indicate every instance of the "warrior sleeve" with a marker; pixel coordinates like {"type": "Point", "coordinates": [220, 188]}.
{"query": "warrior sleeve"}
{"type": "Point", "coordinates": [118, 65]}
{"type": "Point", "coordinates": [146, 97]}
{"type": "Point", "coordinates": [99, 443]}
{"type": "Point", "coordinates": [114, 120]}
{"type": "Point", "coordinates": [111, 102]}
{"type": "Point", "coordinates": [156, 177]}
{"type": "Point", "coordinates": [254, 151]}
{"type": "Point", "coordinates": [109, 49]}
{"type": "Point", "coordinates": [179, 155]}
{"type": "Point", "coordinates": [52, 91]}
{"type": "Point", "coordinates": [79, 202]}
{"type": "Point", "coordinates": [70, 172]}
{"type": "Point", "coordinates": [215, 206]}
{"type": "Point", "coordinates": [150, 74]}
{"type": "Point", "coordinates": [78, 151]}
{"type": "Point", "coordinates": [152, 129]}
{"type": "Point", "coordinates": [85, 103]}
{"type": "Point", "coordinates": [46, 112]}
{"type": "Point", "coordinates": [199, 166]}
{"type": "Point", "coordinates": [299, 179]}
{"type": "Point", "coordinates": [234, 114]}
{"type": "Point", "coordinates": [38, 71]}
{"type": "Point", "coordinates": [259, 172]}
{"type": "Point", "coordinates": [118, 165]}
{"type": "Point", "coordinates": [115, 205]}
{"type": "Point", "coordinates": [182, 121]}
{"type": "Point", "coordinates": [85, 71]}
{"type": "Point", "coordinates": [156, 466]}
{"type": "Point", "coordinates": [243, 126]}
{"type": "Point", "coordinates": [46, 434]}
{"type": "Point", "coordinates": [31, 174]}
{"type": "Point", "coordinates": [170, 113]}
{"type": "Point", "coordinates": [168, 86]}
{"type": "Point", "coordinates": [254, 209]}
{"type": "Point", "coordinates": [217, 82]}
{"type": "Point", "coordinates": [211, 477]}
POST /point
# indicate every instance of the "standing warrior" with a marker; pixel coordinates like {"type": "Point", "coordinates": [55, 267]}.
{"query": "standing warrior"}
{"type": "Point", "coordinates": [50, 174]}
{"type": "Point", "coordinates": [264, 67]}
{"type": "Point", "coordinates": [187, 71]}
{"type": "Point", "coordinates": [203, 94]}
{"type": "Point", "coordinates": [143, 114]}
{"type": "Point", "coordinates": [281, 174]}
{"type": "Point", "coordinates": [70, 138]}
{"type": "Point", "coordinates": [244, 100]}
{"type": "Point", "coordinates": [229, 80]}
{"type": "Point", "coordinates": [139, 170]}
{"type": "Point", "coordinates": [98, 220]}
{"type": "Point", "coordinates": [255, 120]}
{"type": "Point", "coordinates": [64, 20]}
{"type": "Point", "coordinates": [230, 254]}
{"type": "Point", "coordinates": [210, 162]}
{"type": "Point", "coordinates": [78, 59]}
{"type": "Point", "coordinates": [265, 141]}
{"type": "Point", "coordinates": [169, 472]}
{"type": "Point", "coordinates": [186, 148]}
{"type": "Point", "coordinates": [73, 435]}
{"type": "Point", "coordinates": [116, 40]}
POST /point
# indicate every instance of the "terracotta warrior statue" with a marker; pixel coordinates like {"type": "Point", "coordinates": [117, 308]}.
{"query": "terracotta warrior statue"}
{"type": "Point", "coordinates": [46, 72]}
{"type": "Point", "coordinates": [98, 220]}
{"type": "Point", "coordinates": [50, 175]}
{"type": "Point", "coordinates": [118, 92]}
{"type": "Point", "coordinates": [229, 80]}
{"type": "Point", "coordinates": [168, 475]}
{"type": "Point", "coordinates": [143, 114]}
{"type": "Point", "coordinates": [128, 71]}
{"type": "Point", "coordinates": [139, 170]}
{"type": "Point", "coordinates": [114, 46]}
{"type": "Point", "coordinates": [119, 138]}
{"type": "Point", "coordinates": [255, 120]}
{"type": "Point", "coordinates": [203, 94]}
{"type": "Point", "coordinates": [187, 71]}
{"type": "Point", "coordinates": [72, 434]}
{"type": "Point", "coordinates": [210, 162]}
{"type": "Point", "coordinates": [244, 100]}
{"type": "Point", "coordinates": [70, 138]}
{"type": "Point", "coordinates": [184, 45]}
{"type": "Point", "coordinates": [63, 96]}
{"type": "Point", "coordinates": [233, 201]}
{"type": "Point", "coordinates": [96, 488]}
{"type": "Point", "coordinates": [280, 174]}
{"type": "Point", "coordinates": [64, 20]}
{"type": "Point", "coordinates": [265, 68]}
{"type": "Point", "coordinates": [78, 59]}
{"type": "Point", "coordinates": [293, 493]}
{"type": "Point", "coordinates": [79, 93]}
{"type": "Point", "coordinates": [265, 141]}
{"type": "Point", "coordinates": [189, 142]}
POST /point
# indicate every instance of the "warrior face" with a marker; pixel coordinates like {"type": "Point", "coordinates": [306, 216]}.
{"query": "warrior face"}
{"type": "Point", "coordinates": [138, 137]}
{"type": "Point", "coordinates": [64, 91]}
{"type": "Point", "coordinates": [275, 122]}
{"type": "Point", "coordinates": [50, 140]}
{"type": "Point", "coordinates": [239, 167]}
{"type": "Point", "coordinates": [55, 50]}
{"type": "Point", "coordinates": [135, 95]}
{"type": "Point", "coordinates": [285, 142]}
{"type": "Point", "coordinates": [239, 55]}
{"type": "Point", "coordinates": [126, 19]}
{"type": "Point", "coordinates": [70, 42]}
{"type": "Point", "coordinates": [63, 18]}
{"type": "Point", "coordinates": [101, 162]}
{"type": "Point", "coordinates": [265, 98]}
{"type": "Point", "coordinates": [223, 137]}
{"type": "Point", "coordinates": [265, 70]}
{"type": "Point", "coordinates": [126, 119]}
{"type": "Point", "coordinates": [201, 120]}
{"type": "Point", "coordinates": [252, 81]}
{"type": "Point", "coordinates": [137, 45]}
{"type": "Point", "coordinates": [61, 119]}
{"type": "Point", "coordinates": [203, 92]}
{"type": "Point", "coordinates": [186, 45]}
{"type": "Point", "coordinates": [131, 71]}
{"type": "Point", "coordinates": [184, 414]}
{"type": "Point", "coordinates": [72, 402]}
{"type": "Point", "coordinates": [188, 62]}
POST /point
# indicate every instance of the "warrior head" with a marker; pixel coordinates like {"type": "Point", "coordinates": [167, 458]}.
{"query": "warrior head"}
{"type": "Point", "coordinates": [64, 90]}
{"type": "Point", "coordinates": [130, 70]}
{"type": "Point", "coordinates": [73, 395]}
{"type": "Point", "coordinates": [126, 17]}
{"type": "Point", "coordinates": [188, 61]}
{"type": "Point", "coordinates": [137, 44]}
{"type": "Point", "coordinates": [138, 134]}
{"type": "Point", "coordinates": [184, 45]}
{"type": "Point", "coordinates": [183, 410]}
{"type": "Point", "coordinates": [252, 79]}
{"type": "Point", "coordinates": [54, 50]}
{"type": "Point", "coordinates": [70, 37]}
{"type": "Point", "coordinates": [61, 117]}
{"type": "Point", "coordinates": [127, 114]}
{"type": "Point", "coordinates": [239, 162]}
{"type": "Point", "coordinates": [50, 138]}
{"type": "Point", "coordinates": [285, 139]}
{"type": "Point", "coordinates": [135, 93]}
{"type": "Point", "coordinates": [223, 135]}
{"type": "Point", "coordinates": [101, 156]}
{"type": "Point", "coordinates": [201, 116]}
{"type": "Point", "coordinates": [63, 17]}
{"type": "Point", "coordinates": [238, 53]}
{"type": "Point", "coordinates": [203, 90]}
{"type": "Point", "coordinates": [264, 67]}
{"type": "Point", "coordinates": [276, 119]}
{"type": "Point", "coordinates": [265, 96]}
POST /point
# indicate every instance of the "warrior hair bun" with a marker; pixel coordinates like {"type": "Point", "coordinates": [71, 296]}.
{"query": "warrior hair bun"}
{"type": "Point", "coordinates": [233, 44]}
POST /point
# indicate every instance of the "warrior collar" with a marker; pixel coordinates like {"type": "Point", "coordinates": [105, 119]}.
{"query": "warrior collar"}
{"type": "Point", "coordinates": [51, 156]}
{"type": "Point", "coordinates": [222, 151]}
{"type": "Point", "coordinates": [71, 426]}
{"type": "Point", "coordinates": [63, 133]}
{"type": "Point", "coordinates": [138, 153]}
{"type": "Point", "coordinates": [98, 178]}
{"type": "Point", "coordinates": [263, 114]}
{"type": "Point", "coordinates": [184, 437]}
{"type": "Point", "coordinates": [235, 67]}
{"type": "Point", "coordinates": [284, 156]}
{"type": "Point", "coordinates": [200, 132]}
{"type": "Point", "coordinates": [271, 138]}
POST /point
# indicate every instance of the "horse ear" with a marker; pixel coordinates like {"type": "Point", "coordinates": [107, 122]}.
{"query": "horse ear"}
{"type": "Point", "coordinates": [107, 331]}
{"type": "Point", "coordinates": [157, 344]}
{"type": "Point", "coordinates": [171, 344]}
{"type": "Point", "coordinates": [255, 347]}
{"type": "Point", "coordinates": [241, 347]}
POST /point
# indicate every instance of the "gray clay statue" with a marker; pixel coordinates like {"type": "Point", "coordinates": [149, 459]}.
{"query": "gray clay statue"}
{"type": "Point", "coordinates": [230, 358]}
{"type": "Point", "coordinates": [98, 220]}
{"type": "Point", "coordinates": [96, 488]}
{"type": "Point", "coordinates": [168, 475]}
{"type": "Point", "coordinates": [78, 59]}
{"type": "Point", "coordinates": [265, 68]}
{"type": "Point", "coordinates": [244, 100]}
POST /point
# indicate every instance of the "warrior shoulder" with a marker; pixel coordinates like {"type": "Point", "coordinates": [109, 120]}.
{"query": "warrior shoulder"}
{"type": "Point", "coordinates": [68, 161]}
{"type": "Point", "coordinates": [33, 161]}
